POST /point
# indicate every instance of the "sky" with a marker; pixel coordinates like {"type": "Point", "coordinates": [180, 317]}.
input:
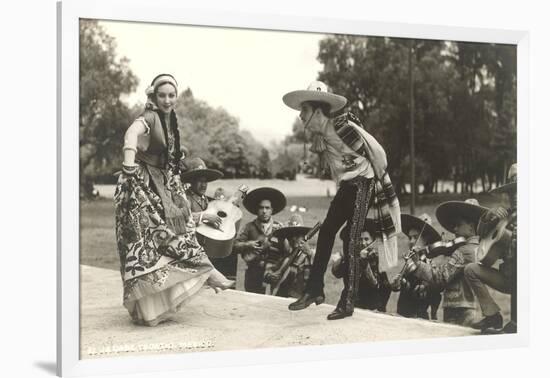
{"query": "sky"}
{"type": "Point", "coordinates": [244, 71]}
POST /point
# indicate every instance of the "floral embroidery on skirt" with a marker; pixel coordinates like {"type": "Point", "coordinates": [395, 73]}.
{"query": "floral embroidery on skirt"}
{"type": "Point", "coordinates": [161, 270]}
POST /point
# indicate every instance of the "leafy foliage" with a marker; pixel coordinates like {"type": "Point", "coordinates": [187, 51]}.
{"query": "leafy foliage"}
{"type": "Point", "coordinates": [104, 117]}
{"type": "Point", "coordinates": [464, 103]}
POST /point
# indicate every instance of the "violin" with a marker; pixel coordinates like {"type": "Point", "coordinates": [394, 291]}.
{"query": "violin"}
{"type": "Point", "coordinates": [430, 251]}
{"type": "Point", "coordinates": [444, 247]}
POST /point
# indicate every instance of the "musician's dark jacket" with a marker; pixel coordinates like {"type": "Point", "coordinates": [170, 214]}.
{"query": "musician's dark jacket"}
{"type": "Point", "coordinates": [450, 278]}
{"type": "Point", "coordinates": [254, 274]}
{"type": "Point", "coordinates": [198, 203]}
{"type": "Point", "coordinates": [295, 284]}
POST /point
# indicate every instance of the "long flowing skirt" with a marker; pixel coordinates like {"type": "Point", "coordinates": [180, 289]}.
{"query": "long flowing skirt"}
{"type": "Point", "coordinates": [161, 269]}
{"type": "Point", "coordinates": [153, 297]}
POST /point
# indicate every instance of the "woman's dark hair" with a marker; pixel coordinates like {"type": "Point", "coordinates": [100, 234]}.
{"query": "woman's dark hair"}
{"type": "Point", "coordinates": [175, 132]}
{"type": "Point", "coordinates": [325, 108]}
{"type": "Point", "coordinates": [163, 74]}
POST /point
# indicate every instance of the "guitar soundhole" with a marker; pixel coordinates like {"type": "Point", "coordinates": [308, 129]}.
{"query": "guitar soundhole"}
{"type": "Point", "coordinates": [222, 214]}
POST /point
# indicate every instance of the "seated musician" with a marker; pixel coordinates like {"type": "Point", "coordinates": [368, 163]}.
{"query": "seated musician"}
{"type": "Point", "coordinates": [503, 279]}
{"type": "Point", "coordinates": [256, 243]}
{"type": "Point", "coordinates": [290, 275]}
{"type": "Point", "coordinates": [374, 288]}
{"type": "Point", "coordinates": [415, 296]}
{"type": "Point", "coordinates": [197, 176]}
{"type": "Point", "coordinates": [460, 218]}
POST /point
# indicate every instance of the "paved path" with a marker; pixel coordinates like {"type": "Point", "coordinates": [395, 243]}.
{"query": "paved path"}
{"type": "Point", "coordinates": [229, 320]}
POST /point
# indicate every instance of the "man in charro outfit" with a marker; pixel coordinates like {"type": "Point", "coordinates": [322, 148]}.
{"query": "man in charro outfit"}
{"type": "Point", "coordinates": [503, 279]}
{"type": "Point", "coordinates": [197, 176]}
{"type": "Point", "coordinates": [459, 304]}
{"type": "Point", "coordinates": [358, 165]}
{"type": "Point", "coordinates": [256, 243]}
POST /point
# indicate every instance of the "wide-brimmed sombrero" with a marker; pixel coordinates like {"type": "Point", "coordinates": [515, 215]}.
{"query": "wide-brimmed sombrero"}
{"type": "Point", "coordinates": [448, 212]}
{"type": "Point", "coordinates": [195, 168]}
{"type": "Point", "coordinates": [316, 91]}
{"type": "Point", "coordinates": [294, 226]}
{"type": "Point", "coordinates": [370, 227]}
{"type": "Point", "coordinates": [253, 198]}
{"type": "Point", "coordinates": [511, 184]}
{"type": "Point", "coordinates": [421, 223]}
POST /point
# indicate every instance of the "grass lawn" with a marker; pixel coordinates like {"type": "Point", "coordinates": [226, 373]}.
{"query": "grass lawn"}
{"type": "Point", "coordinates": [98, 247]}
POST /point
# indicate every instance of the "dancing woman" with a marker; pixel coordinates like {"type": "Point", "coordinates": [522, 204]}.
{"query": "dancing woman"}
{"type": "Point", "coordinates": [161, 263]}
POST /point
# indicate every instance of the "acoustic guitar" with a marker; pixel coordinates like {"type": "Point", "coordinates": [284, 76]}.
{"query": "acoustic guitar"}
{"type": "Point", "coordinates": [218, 242]}
{"type": "Point", "coordinates": [495, 240]}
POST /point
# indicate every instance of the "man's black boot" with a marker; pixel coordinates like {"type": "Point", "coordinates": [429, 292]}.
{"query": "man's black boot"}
{"type": "Point", "coordinates": [493, 321]}
{"type": "Point", "coordinates": [305, 300]}
{"type": "Point", "coordinates": [339, 313]}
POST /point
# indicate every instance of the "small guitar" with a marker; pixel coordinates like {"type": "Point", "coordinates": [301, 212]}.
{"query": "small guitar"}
{"type": "Point", "coordinates": [273, 288]}
{"type": "Point", "coordinates": [494, 243]}
{"type": "Point", "coordinates": [218, 242]}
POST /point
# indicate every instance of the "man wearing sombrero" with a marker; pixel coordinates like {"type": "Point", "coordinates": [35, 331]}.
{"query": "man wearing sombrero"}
{"type": "Point", "coordinates": [459, 304]}
{"type": "Point", "coordinates": [415, 298]}
{"type": "Point", "coordinates": [255, 243]}
{"type": "Point", "coordinates": [292, 237]}
{"type": "Point", "coordinates": [358, 165]}
{"type": "Point", "coordinates": [197, 175]}
{"type": "Point", "coordinates": [374, 288]}
{"type": "Point", "coordinates": [503, 279]}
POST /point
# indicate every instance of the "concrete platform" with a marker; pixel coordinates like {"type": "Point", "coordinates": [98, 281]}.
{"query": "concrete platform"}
{"type": "Point", "coordinates": [228, 321]}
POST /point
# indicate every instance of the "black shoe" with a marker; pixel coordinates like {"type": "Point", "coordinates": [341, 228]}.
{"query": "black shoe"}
{"type": "Point", "coordinates": [510, 327]}
{"type": "Point", "coordinates": [305, 300]}
{"type": "Point", "coordinates": [339, 313]}
{"type": "Point", "coordinates": [493, 321]}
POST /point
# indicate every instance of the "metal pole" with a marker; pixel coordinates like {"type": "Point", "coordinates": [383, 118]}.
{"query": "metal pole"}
{"type": "Point", "coordinates": [411, 123]}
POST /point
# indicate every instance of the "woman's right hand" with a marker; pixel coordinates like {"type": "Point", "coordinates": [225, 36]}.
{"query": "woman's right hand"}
{"type": "Point", "coordinates": [130, 169]}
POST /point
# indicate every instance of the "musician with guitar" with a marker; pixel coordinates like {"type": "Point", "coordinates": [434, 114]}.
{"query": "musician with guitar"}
{"type": "Point", "coordinates": [288, 278]}
{"type": "Point", "coordinates": [197, 176]}
{"type": "Point", "coordinates": [256, 243]}
{"type": "Point", "coordinates": [498, 224]}
{"type": "Point", "coordinates": [374, 288]}
{"type": "Point", "coordinates": [459, 304]}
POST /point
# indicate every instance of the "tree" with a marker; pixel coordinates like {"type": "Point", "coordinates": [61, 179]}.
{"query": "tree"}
{"type": "Point", "coordinates": [464, 111]}
{"type": "Point", "coordinates": [265, 164]}
{"type": "Point", "coordinates": [214, 135]}
{"type": "Point", "coordinates": [104, 117]}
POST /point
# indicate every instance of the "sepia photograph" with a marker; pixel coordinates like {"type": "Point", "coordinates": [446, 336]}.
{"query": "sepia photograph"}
{"type": "Point", "coordinates": [244, 189]}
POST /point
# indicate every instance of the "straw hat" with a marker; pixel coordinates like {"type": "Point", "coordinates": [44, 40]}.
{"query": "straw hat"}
{"type": "Point", "coordinates": [196, 168]}
{"type": "Point", "coordinates": [512, 181]}
{"type": "Point", "coordinates": [294, 227]}
{"type": "Point", "coordinates": [316, 91]}
{"type": "Point", "coordinates": [254, 197]}
{"type": "Point", "coordinates": [422, 223]}
{"type": "Point", "coordinates": [469, 209]}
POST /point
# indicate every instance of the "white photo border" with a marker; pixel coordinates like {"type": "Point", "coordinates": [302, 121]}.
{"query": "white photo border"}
{"type": "Point", "coordinates": [164, 11]}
